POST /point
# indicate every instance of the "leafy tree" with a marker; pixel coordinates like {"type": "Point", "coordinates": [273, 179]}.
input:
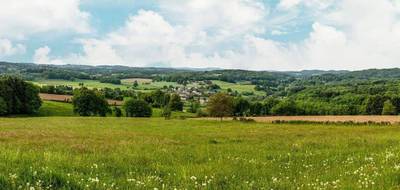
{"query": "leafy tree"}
{"type": "Point", "coordinates": [117, 111]}
{"type": "Point", "coordinates": [175, 103]}
{"type": "Point", "coordinates": [166, 112]}
{"type": "Point", "coordinates": [18, 96]}
{"type": "Point", "coordinates": [135, 84]}
{"type": "Point", "coordinates": [3, 107]}
{"type": "Point", "coordinates": [157, 98]}
{"type": "Point", "coordinates": [396, 103]}
{"type": "Point", "coordinates": [88, 102]}
{"type": "Point", "coordinates": [241, 107]}
{"type": "Point", "coordinates": [137, 108]}
{"type": "Point", "coordinates": [374, 105]}
{"type": "Point", "coordinates": [269, 103]}
{"type": "Point", "coordinates": [220, 105]}
{"type": "Point", "coordinates": [257, 109]}
{"type": "Point", "coordinates": [194, 106]}
{"type": "Point", "coordinates": [285, 107]}
{"type": "Point", "coordinates": [389, 108]}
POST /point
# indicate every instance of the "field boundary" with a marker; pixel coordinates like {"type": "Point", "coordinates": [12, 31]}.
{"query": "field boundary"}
{"type": "Point", "coordinates": [322, 119]}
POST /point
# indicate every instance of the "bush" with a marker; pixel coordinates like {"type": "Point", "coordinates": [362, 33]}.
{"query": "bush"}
{"type": "Point", "coordinates": [18, 96]}
{"type": "Point", "coordinates": [90, 102]}
{"type": "Point", "coordinates": [117, 111]}
{"type": "Point", "coordinates": [137, 108]}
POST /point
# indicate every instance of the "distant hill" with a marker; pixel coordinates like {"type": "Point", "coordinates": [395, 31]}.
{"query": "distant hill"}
{"type": "Point", "coordinates": [30, 70]}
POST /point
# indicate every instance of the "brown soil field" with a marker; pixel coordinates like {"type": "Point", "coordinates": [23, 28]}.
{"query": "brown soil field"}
{"type": "Point", "coordinates": [68, 98]}
{"type": "Point", "coordinates": [356, 119]}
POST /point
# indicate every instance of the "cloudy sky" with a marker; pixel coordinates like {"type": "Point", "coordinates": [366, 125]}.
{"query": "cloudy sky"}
{"type": "Point", "coordinates": [240, 34]}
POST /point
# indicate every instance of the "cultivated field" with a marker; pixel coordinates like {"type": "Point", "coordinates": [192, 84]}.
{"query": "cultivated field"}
{"type": "Point", "coordinates": [68, 98]}
{"type": "Point", "coordinates": [139, 80]}
{"type": "Point", "coordinates": [121, 153]}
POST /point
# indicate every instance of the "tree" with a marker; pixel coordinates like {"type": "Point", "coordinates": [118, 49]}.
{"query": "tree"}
{"type": "Point", "coordinates": [117, 111]}
{"type": "Point", "coordinates": [285, 107]}
{"type": "Point", "coordinates": [137, 108]}
{"type": "Point", "coordinates": [88, 102]}
{"type": "Point", "coordinates": [194, 106]}
{"type": "Point", "coordinates": [3, 107]}
{"type": "Point", "coordinates": [388, 108]}
{"type": "Point", "coordinates": [157, 98]}
{"type": "Point", "coordinates": [241, 107]}
{"type": "Point", "coordinates": [374, 105]}
{"type": "Point", "coordinates": [220, 105]}
{"type": "Point", "coordinates": [256, 109]}
{"type": "Point", "coordinates": [166, 112]}
{"type": "Point", "coordinates": [396, 102]}
{"type": "Point", "coordinates": [18, 96]}
{"type": "Point", "coordinates": [135, 84]}
{"type": "Point", "coordinates": [175, 103]}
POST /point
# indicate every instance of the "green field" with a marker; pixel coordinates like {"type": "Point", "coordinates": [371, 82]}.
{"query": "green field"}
{"type": "Point", "coordinates": [49, 108]}
{"type": "Point", "coordinates": [123, 153]}
{"type": "Point", "coordinates": [238, 87]}
{"type": "Point", "coordinates": [54, 109]}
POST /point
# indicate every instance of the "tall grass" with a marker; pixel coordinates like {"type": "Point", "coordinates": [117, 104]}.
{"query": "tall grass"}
{"type": "Point", "coordinates": [123, 153]}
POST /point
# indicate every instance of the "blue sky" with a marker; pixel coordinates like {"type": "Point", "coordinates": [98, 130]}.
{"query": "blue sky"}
{"type": "Point", "coordinates": [240, 34]}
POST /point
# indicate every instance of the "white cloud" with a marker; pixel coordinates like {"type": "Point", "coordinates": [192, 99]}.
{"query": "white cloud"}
{"type": "Point", "coordinates": [287, 4]}
{"type": "Point", "coordinates": [20, 18]}
{"type": "Point", "coordinates": [232, 15]}
{"type": "Point", "coordinates": [315, 4]}
{"type": "Point", "coordinates": [229, 34]}
{"type": "Point", "coordinates": [7, 48]}
{"type": "Point", "coordinates": [42, 57]}
{"type": "Point", "coordinates": [201, 27]}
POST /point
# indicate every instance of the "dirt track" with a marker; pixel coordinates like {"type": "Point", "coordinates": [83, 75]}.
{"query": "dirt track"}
{"type": "Point", "coordinates": [356, 119]}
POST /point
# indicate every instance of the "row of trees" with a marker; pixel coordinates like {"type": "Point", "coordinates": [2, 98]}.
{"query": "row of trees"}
{"type": "Point", "coordinates": [221, 105]}
{"type": "Point", "coordinates": [87, 102]}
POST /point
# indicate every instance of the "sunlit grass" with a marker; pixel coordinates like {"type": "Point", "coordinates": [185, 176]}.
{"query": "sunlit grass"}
{"type": "Point", "coordinates": [124, 153]}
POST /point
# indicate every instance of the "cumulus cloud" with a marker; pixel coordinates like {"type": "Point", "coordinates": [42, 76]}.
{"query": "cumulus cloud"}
{"type": "Point", "coordinates": [7, 48]}
{"type": "Point", "coordinates": [21, 18]}
{"type": "Point", "coordinates": [234, 34]}
{"type": "Point", "coordinates": [223, 17]}
{"type": "Point", "coordinates": [42, 57]}
{"type": "Point", "coordinates": [200, 30]}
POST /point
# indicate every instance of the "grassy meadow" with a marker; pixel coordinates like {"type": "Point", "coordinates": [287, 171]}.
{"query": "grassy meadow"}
{"type": "Point", "coordinates": [128, 153]}
{"type": "Point", "coordinates": [61, 109]}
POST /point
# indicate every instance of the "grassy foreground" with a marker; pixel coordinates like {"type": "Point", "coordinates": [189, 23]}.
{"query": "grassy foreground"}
{"type": "Point", "coordinates": [123, 153]}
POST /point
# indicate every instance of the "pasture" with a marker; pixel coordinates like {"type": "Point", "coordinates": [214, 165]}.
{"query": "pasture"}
{"type": "Point", "coordinates": [57, 109]}
{"type": "Point", "coordinates": [240, 87]}
{"type": "Point", "coordinates": [124, 153]}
